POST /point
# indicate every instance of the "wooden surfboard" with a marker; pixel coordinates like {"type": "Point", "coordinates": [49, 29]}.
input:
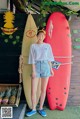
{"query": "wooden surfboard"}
{"type": "Point", "coordinates": [28, 39]}
{"type": "Point", "coordinates": [58, 36]}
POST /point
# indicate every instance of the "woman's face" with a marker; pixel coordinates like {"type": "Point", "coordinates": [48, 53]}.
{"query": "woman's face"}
{"type": "Point", "coordinates": [41, 37]}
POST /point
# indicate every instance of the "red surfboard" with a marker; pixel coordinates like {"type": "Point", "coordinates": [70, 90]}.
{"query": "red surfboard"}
{"type": "Point", "coordinates": [58, 36]}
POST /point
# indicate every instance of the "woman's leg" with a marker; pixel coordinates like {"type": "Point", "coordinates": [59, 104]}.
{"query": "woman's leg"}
{"type": "Point", "coordinates": [44, 82]}
{"type": "Point", "coordinates": [34, 85]}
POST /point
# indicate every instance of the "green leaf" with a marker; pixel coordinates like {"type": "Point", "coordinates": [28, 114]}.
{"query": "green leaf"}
{"type": "Point", "coordinates": [76, 46]}
{"type": "Point", "coordinates": [17, 37]}
{"type": "Point", "coordinates": [14, 42]}
{"type": "Point", "coordinates": [75, 31]}
{"type": "Point", "coordinates": [77, 40]}
{"type": "Point", "coordinates": [6, 40]}
{"type": "Point", "coordinates": [29, 6]}
{"type": "Point", "coordinates": [2, 34]}
{"type": "Point", "coordinates": [44, 24]}
{"type": "Point", "coordinates": [10, 37]}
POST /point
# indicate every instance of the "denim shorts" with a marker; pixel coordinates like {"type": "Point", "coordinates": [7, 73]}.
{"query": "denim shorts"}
{"type": "Point", "coordinates": [42, 69]}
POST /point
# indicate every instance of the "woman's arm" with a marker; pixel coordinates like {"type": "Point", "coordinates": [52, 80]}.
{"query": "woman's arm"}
{"type": "Point", "coordinates": [50, 65]}
{"type": "Point", "coordinates": [31, 59]}
{"type": "Point", "coordinates": [33, 71]}
{"type": "Point", "coordinates": [33, 67]}
{"type": "Point", "coordinates": [52, 73]}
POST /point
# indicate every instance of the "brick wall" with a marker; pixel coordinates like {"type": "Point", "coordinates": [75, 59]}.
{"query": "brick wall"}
{"type": "Point", "coordinates": [74, 93]}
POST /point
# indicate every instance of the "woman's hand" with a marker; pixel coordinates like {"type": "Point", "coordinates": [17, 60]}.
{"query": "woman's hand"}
{"type": "Point", "coordinates": [51, 70]}
{"type": "Point", "coordinates": [33, 71]}
{"type": "Point", "coordinates": [33, 74]}
{"type": "Point", "coordinates": [52, 73]}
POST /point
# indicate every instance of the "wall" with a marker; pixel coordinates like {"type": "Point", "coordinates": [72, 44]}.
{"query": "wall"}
{"type": "Point", "coordinates": [74, 94]}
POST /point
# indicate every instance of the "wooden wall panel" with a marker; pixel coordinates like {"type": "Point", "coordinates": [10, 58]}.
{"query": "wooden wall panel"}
{"type": "Point", "coordinates": [74, 93]}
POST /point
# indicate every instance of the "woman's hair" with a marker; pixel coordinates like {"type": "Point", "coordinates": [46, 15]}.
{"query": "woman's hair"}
{"type": "Point", "coordinates": [41, 31]}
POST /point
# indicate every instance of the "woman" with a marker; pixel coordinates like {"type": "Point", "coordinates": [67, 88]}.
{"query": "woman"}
{"type": "Point", "coordinates": [40, 57]}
